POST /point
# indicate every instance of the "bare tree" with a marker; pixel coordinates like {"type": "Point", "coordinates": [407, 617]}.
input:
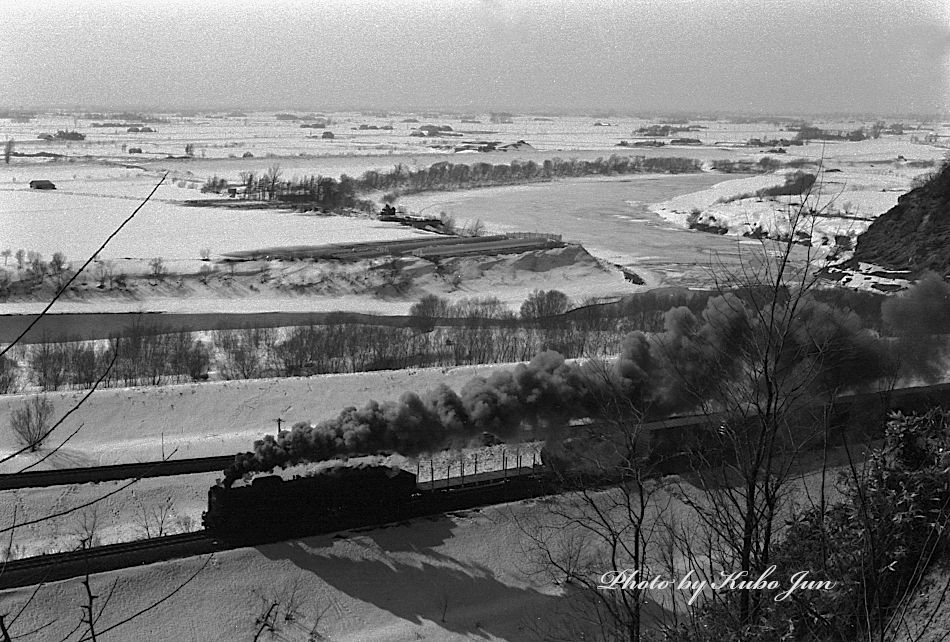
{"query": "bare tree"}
{"type": "Point", "coordinates": [9, 376]}
{"type": "Point", "coordinates": [272, 178]}
{"type": "Point", "coordinates": [30, 421]}
{"type": "Point", "coordinates": [153, 518]}
{"type": "Point", "coordinates": [104, 273]}
{"type": "Point", "coordinates": [249, 180]}
{"type": "Point", "coordinates": [59, 269]}
{"type": "Point", "coordinates": [86, 526]}
{"type": "Point", "coordinates": [281, 613]}
{"type": "Point", "coordinates": [755, 364]}
{"type": "Point", "coordinates": [157, 268]}
{"type": "Point", "coordinates": [603, 531]}
{"type": "Point", "coordinates": [544, 303]}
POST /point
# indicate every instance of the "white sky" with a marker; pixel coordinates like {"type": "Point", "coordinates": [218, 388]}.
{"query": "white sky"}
{"type": "Point", "coordinates": [778, 56]}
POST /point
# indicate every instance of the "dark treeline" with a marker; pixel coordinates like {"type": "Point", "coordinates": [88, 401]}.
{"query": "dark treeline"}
{"type": "Point", "coordinates": [140, 359]}
{"type": "Point", "coordinates": [729, 166]}
{"type": "Point", "coordinates": [251, 353]}
{"type": "Point", "coordinates": [322, 191]}
{"type": "Point", "coordinates": [331, 193]}
{"type": "Point", "coordinates": [448, 176]}
{"type": "Point", "coordinates": [437, 334]}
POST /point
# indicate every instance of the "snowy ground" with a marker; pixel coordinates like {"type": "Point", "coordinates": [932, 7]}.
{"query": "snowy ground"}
{"type": "Point", "coordinates": [121, 511]}
{"type": "Point", "coordinates": [227, 137]}
{"type": "Point", "coordinates": [468, 575]}
{"type": "Point", "coordinates": [446, 578]}
{"type": "Point", "coordinates": [327, 286]}
{"type": "Point", "coordinates": [198, 420]}
{"type": "Point", "coordinates": [123, 425]}
{"type": "Point", "coordinates": [76, 220]}
{"type": "Point", "coordinates": [866, 181]}
{"type": "Point", "coordinates": [455, 577]}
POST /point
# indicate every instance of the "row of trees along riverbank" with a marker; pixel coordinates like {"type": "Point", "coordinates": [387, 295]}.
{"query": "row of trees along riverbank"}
{"type": "Point", "coordinates": [345, 192]}
{"type": "Point", "coordinates": [437, 333]}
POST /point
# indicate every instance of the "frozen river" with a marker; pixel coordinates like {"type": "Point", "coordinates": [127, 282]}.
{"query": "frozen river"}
{"type": "Point", "coordinates": [610, 217]}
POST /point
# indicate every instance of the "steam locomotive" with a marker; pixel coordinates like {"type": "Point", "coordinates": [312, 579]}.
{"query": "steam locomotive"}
{"type": "Point", "coordinates": [272, 509]}
{"type": "Point", "coordinates": [343, 497]}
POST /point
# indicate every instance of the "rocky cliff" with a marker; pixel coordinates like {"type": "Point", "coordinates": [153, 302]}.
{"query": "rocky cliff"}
{"type": "Point", "coordinates": [915, 234]}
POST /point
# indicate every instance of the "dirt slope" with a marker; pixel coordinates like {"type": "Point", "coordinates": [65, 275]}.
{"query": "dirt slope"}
{"type": "Point", "coordinates": [915, 234]}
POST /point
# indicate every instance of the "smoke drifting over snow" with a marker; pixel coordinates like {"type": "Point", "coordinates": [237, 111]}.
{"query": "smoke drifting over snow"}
{"type": "Point", "coordinates": [817, 349]}
{"type": "Point", "coordinates": [915, 318]}
{"type": "Point", "coordinates": [529, 399]}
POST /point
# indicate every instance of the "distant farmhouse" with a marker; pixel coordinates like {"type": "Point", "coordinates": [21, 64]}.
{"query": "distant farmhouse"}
{"type": "Point", "coordinates": [42, 184]}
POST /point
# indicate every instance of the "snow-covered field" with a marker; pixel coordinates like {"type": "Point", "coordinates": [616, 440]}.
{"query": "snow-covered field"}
{"type": "Point", "coordinates": [449, 578]}
{"type": "Point", "coordinates": [74, 219]}
{"type": "Point", "coordinates": [197, 420]}
{"type": "Point", "coordinates": [98, 185]}
{"type": "Point", "coordinates": [218, 136]}
{"type": "Point", "coordinates": [857, 183]}
{"type": "Point", "coordinates": [214, 418]}
{"type": "Point", "coordinates": [330, 286]}
{"type": "Point", "coordinates": [468, 575]}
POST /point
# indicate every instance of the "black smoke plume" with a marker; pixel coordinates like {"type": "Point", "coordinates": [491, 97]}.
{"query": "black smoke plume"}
{"type": "Point", "coordinates": [919, 319]}
{"type": "Point", "coordinates": [818, 349]}
{"type": "Point", "coordinates": [522, 402]}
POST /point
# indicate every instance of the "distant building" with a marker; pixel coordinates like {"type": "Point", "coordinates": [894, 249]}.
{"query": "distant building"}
{"type": "Point", "coordinates": [42, 184]}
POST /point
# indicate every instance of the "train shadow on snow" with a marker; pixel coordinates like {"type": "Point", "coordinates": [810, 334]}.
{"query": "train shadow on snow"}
{"type": "Point", "coordinates": [415, 583]}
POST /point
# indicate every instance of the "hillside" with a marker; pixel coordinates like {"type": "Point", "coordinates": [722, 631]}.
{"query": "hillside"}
{"type": "Point", "coordinates": [915, 234]}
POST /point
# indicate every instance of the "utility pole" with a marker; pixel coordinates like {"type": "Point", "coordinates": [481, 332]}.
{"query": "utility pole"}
{"type": "Point", "coordinates": [278, 420]}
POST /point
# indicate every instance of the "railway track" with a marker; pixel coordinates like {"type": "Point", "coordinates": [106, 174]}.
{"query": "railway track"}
{"type": "Point", "coordinates": [936, 393]}
{"type": "Point", "coordinates": [54, 567]}
{"type": "Point", "coordinates": [59, 477]}
{"type": "Point", "coordinates": [100, 559]}
{"type": "Point", "coordinates": [60, 566]}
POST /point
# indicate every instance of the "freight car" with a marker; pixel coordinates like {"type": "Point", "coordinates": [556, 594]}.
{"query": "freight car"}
{"type": "Point", "coordinates": [593, 449]}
